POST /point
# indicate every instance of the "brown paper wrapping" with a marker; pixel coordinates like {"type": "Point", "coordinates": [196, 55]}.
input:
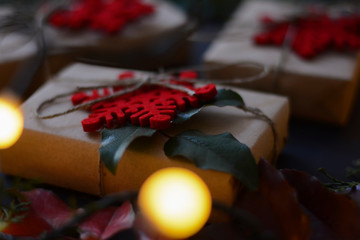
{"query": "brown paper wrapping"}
{"type": "Point", "coordinates": [166, 18]}
{"type": "Point", "coordinates": [157, 38]}
{"type": "Point", "coordinates": [321, 89]}
{"type": "Point", "coordinates": [65, 46]}
{"type": "Point", "coordinates": [60, 153]}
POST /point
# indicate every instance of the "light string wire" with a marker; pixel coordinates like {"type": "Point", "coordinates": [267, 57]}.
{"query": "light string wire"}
{"type": "Point", "coordinates": [246, 220]}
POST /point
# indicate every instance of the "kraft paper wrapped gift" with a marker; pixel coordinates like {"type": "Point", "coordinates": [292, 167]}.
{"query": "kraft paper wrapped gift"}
{"type": "Point", "coordinates": [13, 49]}
{"type": "Point", "coordinates": [13, 59]}
{"type": "Point", "coordinates": [160, 33]}
{"type": "Point", "coordinates": [321, 89]}
{"type": "Point", "coordinates": [16, 49]}
{"type": "Point", "coordinates": [60, 153]}
{"type": "Point", "coordinates": [128, 48]}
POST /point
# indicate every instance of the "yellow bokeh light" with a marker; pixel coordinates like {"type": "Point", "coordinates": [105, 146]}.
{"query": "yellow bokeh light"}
{"type": "Point", "coordinates": [11, 122]}
{"type": "Point", "coordinates": [176, 202]}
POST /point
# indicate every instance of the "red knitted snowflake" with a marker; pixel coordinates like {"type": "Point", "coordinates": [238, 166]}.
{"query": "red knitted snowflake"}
{"type": "Point", "coordinates": [151, 105]}
{"type": "Point", "coordinates": [106, 16]}
{"type": "Point", "coordinates": [313, 35]}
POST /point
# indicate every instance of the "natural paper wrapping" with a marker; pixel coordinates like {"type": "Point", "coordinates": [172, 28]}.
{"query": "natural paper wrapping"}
{"type": "Point", "coordinates": [321, 89]}
{"type": "Point", "coordinates": [157, 33]}
{"type": "Point", "coordinates": [12, 48]}
{"type": "Point", "coordinates": [60, 153]}
{"type": "Point", "coordinates": [165, 18]}
{"type": "Point", "coordinates": [16, 49]}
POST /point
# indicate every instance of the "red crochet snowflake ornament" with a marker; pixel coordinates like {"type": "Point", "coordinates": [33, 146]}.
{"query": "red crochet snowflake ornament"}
{"type": "Point", "coordinates": [105, 16]}
{"type": "Point", "coordinates": [151, 105]}
{"type": "Point", "coordinates": [313, 35]}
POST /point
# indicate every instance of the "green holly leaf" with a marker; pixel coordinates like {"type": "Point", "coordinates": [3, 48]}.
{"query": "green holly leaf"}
{"type": "Point", "coordinates": [115, 141]}
{"type": "Point", "coordinates": [221, 152]}
{"type": "Point", "coordinates": [227, 97]}
{"type": "Point", "coordinates": [224, 97]}
{"type": "Point", "coordinates": [184, 116]}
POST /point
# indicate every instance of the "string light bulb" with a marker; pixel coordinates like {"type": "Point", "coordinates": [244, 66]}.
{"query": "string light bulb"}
{"type": "Point", "coordinates": [11, 120]}
{"type": "Point", "coordinates": [176, 202]}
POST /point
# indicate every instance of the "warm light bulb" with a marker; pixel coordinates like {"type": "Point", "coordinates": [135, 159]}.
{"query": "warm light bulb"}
{"type": "Point", "coordinates": [175, 201]}
{"type": "Point", "coordinates": [11, 122]}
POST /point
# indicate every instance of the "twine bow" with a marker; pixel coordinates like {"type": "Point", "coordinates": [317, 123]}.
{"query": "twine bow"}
{"type": "Point", "coordinates": [164, 79]}
{"type": "Point", "coordinates": [161, 79]}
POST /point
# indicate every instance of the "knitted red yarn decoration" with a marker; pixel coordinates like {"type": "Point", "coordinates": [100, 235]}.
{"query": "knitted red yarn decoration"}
{"type": "Point", "coordinates": [151, 105]}
{"type": "Point", "coordinates": [313, 35]}
{"type": "Point", "coordinates": [106, 16]}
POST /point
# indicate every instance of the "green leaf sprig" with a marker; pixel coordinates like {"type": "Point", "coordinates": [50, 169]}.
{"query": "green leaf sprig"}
{"type": "Point", "coordinates": [337, 185]}
{"type": "Point", "coordinates": [354, 170]}
{"type": "Point", "coordinates": [221, 152]}
{"type": "Point", "coordinates": [13, 204]}
{"type": "Point", "coordinates": [218, 152]}
{"type": "Point", "coordinates": [115, 141]}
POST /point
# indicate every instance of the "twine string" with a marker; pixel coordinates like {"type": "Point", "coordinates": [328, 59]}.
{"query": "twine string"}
{"type": "Point", "coordinates": [85, 105]}
{"type": "Point", "coordinates": [207, 69]}
{"type": "Point", "coordinates": [285, 50]}
{"type": "Point", "coordinates": [258, 113]}
{"type": "Point", "coordinates": [163, 79]}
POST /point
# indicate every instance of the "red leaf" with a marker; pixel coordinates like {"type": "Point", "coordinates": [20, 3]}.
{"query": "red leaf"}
{"type": "Point", "coordinates": [337, 211]}
{"type": "Point", "coordinates": [108, 222]}
{"type": "Point", "coordinates": [49, 207]}
{"type": "Point", "coordinates": [31, 226]}
{"type": "Point", "coordinates": [123, 218]}
{"type": "Point", "coordinates": [95, 225]}
{"type": "Point", "coordinates": [275, 205]}
{"type": "Point", "coordinates": [48, 212]}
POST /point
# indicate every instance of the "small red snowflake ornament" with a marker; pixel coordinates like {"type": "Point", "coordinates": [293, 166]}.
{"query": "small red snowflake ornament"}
{"type": "Point", "coordinates": [151, 105]}
{"type": "Point", "coordinates": [313, 34]}
{"type": "Point", "coordinates": [105, 16]}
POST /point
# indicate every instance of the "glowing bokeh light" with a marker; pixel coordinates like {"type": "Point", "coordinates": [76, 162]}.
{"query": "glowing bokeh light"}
{"type": "Point", "coordinates": [11, 122]}
{"type": "Point", "coordinates": [176, 202]}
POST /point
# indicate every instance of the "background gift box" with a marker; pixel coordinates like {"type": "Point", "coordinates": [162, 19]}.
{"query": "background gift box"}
{"type": "Point", "coordinates": [322, 88]}
{"type": "Point", "coordinates": [21, 54]}
{"type": "Point", "coordinates": [143, 39]}
{"type": "Point", "coordinates": [31, 46]}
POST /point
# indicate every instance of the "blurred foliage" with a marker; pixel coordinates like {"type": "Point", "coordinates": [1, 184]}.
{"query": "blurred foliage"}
{"type": "Point", "coordinates": [354, 170]}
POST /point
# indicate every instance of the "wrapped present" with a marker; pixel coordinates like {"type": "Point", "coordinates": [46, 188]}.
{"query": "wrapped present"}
{"type": "Point", "coordinates": [13, 47]}
{"type": "Point", "coordinates": [317, 69]}
{"type": "Point", "coordinates": [158, 35]}
{"type": "Point", "coordinates": [59, 152]}
{"type": "Point", "coordinates": [19, 52]}
{"type": "Point", "coordinates": [118, 32]}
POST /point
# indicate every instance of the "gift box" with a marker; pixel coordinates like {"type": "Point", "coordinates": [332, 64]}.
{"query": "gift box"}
{"type": "Point", "coordinates": [19, 50]}
{"type": "Point", "coordinates": [157, 37]}
{"type": "Point", "coordinates": [59, 152]}
{"type": "Point", "coordinates": [159, 40]}
{"type": "Point", "coordinates": [322, 88]}
{"type": "Point", "coordinates": [14, 48]}
{"type": "Point", "coordinates": [13, 62]}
